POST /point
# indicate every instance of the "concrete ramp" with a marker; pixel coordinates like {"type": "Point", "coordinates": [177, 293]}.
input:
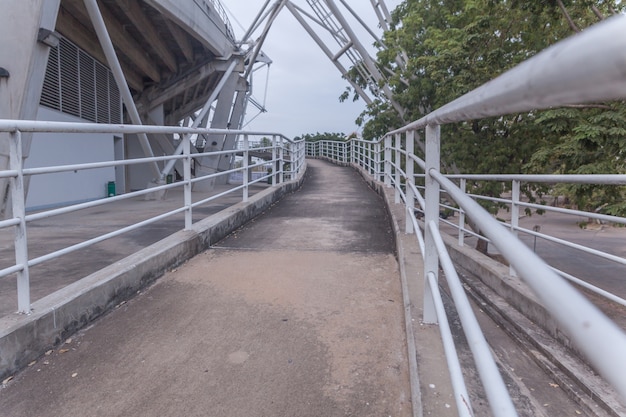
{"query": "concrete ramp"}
{"type": "Point", "coordinates": [298, 313]}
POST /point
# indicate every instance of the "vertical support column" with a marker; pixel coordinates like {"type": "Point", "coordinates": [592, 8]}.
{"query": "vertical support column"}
{"type": "Point", "coordinates": [274, 166]}
{"type": "Point", "coordinates": [281, 162]}
{"type": "Point", "coordinates": [19, 212]}
{"type": "Point", "coordinates": [245, 167]}
{"type": "Point", "coordinates": [431, 258]}
{"type": "Point", "coordinates": [515, 199]}
{"type": "Point", "coordinates": [463, 187]}
{"type": "Point", "coordinates": [352, 145]}
{"type": "Point", "coordinates": [186, 143]}
{"type": "Point", "coordinates": [388, 160]}
{"type": "Point", "coordinates": [398, 169]}
{"type": "Point", "coordinates": [410, 180]}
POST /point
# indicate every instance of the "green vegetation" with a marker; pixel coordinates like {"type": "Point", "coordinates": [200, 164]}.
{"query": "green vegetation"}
{"type": "Point", "coordinates": [454, 46]}
{"type": "Point", "coordinates": [314, 137]}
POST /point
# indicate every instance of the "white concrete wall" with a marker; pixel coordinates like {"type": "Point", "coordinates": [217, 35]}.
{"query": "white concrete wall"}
{"type": "Point", "coordinates": [50, 149]}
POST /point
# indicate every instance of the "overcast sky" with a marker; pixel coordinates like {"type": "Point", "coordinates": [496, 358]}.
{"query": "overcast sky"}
{"type": "Point", "coordinates": [304, 86]}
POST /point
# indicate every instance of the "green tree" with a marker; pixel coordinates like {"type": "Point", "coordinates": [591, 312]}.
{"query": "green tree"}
{"type": "Point", "coordinates": [454, 46]}
{"type": "Point", "coordinates": [314, 137]}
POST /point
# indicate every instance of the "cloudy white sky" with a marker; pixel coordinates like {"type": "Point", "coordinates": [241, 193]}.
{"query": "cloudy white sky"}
{"type": "Point", "coordinates": [304, 86]}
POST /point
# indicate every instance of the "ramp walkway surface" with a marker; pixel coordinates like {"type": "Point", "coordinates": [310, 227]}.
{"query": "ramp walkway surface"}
{"type": "Point", "coordinates": [298, 313]}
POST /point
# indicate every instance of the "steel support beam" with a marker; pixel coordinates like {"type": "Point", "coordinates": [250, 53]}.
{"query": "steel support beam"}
{"type": "Point", "coordinates": [107, 46]}
{"type": "Point", "coordinates": [328, 52]}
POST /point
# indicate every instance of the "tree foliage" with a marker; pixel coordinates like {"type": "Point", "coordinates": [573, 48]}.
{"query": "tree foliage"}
{"type": "Point", "coordinates": [454, 46]}
{"type": "Point", "coordinates": [314, 137]}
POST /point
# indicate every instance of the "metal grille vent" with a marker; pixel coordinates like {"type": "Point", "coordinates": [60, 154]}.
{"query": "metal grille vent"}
{"type": "Point", "coordinates": [77, 84]}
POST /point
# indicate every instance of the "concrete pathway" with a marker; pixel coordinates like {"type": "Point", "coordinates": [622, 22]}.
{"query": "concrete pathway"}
{"type": "Point", "coordinates": [299, 313]}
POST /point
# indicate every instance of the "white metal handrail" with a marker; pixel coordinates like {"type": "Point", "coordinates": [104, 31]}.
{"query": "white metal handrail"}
{"type": "Point", "coordinates": [20, 219]}
{"type": "Point", "coordinates": [585, 68]}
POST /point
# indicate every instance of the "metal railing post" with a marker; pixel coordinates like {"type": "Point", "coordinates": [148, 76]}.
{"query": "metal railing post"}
{"type": "Point", "coordinates": [19, 212]}
{"type": "Point", "coordinates": [410, 179]}
{"type": "Point", "coordinates": [462, 186]}
{"type": "Point", "coordinates": [515, 200]}
{"type": "Point", "coordinates": [431, 214]}
{"type": "Point", "coordinates": [187, 181]}
{"type": "Point", "coordinates": [274, 167]}
{"type": "Point", "coordinates": [388, 160]}
{"type": "Point", "coordinates": [398, 175]}
{"type": "Point", "coordinates": [246, 153]}
{"type": "Point", "coordinates": [281, 160]}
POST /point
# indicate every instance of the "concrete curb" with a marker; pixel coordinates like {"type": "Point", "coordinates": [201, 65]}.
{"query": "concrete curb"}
{"type": "Point", "coordinates": [23, 338]}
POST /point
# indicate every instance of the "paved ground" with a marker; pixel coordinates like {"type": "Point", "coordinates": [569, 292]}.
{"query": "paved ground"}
{"type": "Point", "coordinates": [289, 316]}
{"type": "Point", "coordinates": [50, 234]}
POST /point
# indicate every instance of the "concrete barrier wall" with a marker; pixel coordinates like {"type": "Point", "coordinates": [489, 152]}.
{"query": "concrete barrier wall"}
{"type": "Point", "coordinates": [23, 338]}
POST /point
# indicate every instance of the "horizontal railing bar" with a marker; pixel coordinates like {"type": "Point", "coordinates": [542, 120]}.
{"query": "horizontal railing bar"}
{"type": "Point", "coordinates": [94, 165]}
{"type": "Point", "coordinates": [499, 399]}
{"type": "Point", "coordinates": [213, 197]}
{"type": "Point", "coordinates": [586, 67]}
{"type": "Point", "coordinates": [99, 202]}
{"type": "Point", "coordinates": [573, 245]}
{"type": "Point", "coordinates": [9, 222]}
{"type": "Point", "coordinates": [11, 270]}
{"type": "Point", "coordinates": [462, 399]}
{"type": "Point", "coordinates": [8, 173]}
{"type": "Point", "coordinates": [72, 127]}
{"type": "Point", "coordinates": [101, 238]}
{"type": "Point", "coordinates": [591, 215]}
{"type": "Point", "coordinates": [607, 179]}
{"type": "Point", "coordinates": [591, 287]}
{"type": "Point", "coordinates": [598, 337]}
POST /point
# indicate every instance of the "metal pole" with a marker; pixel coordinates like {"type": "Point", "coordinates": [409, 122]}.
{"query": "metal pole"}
{"type": "Point", "coordinates": [431, 214]}
{"type": "Point", "coordinates": [388, 160]}
{"type": "Point", "coordinates": [120, 79]}
{"type": "Point", "coordinates": [274, 167]}
{"type": "Point", "coordinates": [410, 179]}
{"type": "Point", "coordinates": [19, 212]}
{"type": "Point", "coordinates": [246, 153]}
{"type": "Point", "coordinates": [398, 177]}
{"type": "Point", "coordinates": [462, 186]}
{"type": "Point", "coordinates": [515, 199]}
{"type": "Point", "coordinates": [187, 179]}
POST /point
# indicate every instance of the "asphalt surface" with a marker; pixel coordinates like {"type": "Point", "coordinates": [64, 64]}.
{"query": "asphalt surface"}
{"type": "Point", "coordinates": [298, 313]}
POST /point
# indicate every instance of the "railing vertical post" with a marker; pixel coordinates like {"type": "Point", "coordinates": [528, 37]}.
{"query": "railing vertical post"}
{"type": "Point", "coordinates": [410, 179]}
{"type": "Point", "coordinates": [515, 199]}
{"type": "Point", "coordinates": [352, 144]}
{"type": "Point", "coordinates": [431, 214]}
{"type": "Point", "coordinates": [398, 175]}
{"type": "Point", "coordinates": [281, 162]}
{"type": "Point", "coordinates": [274, 166]}
{"type": "Point", "coordinates": [462, 186]}
{"type": "Point", "coordinates": [377, 175]}
{"type": "Point", "coordinates": [246, 153]}
{"type": "Point", "coordinates": [19, 212]}
{"type": "Point", "coordinates": [187, 181]}
{"type": "Point", "coordinates": [388, 160]}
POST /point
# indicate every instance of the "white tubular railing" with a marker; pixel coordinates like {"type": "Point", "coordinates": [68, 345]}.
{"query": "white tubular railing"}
{"type": "Point", "coordinates": [281, 148]}
{"type": "Point", "coordinates": [588, 67]}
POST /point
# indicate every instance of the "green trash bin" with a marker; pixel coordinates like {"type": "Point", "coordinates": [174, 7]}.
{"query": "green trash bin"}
{"type": "Point", "coordinates": [111, 189]}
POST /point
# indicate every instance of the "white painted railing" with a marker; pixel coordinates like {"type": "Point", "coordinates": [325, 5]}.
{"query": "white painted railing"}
{"type": "Point", "coordinates": [281, 148]}
{"type": "Point", "coordinates": [588, 67]}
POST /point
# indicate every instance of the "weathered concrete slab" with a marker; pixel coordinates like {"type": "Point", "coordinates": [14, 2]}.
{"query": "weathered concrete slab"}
{"type": "Point", "coordinates": [23, 338]}
{"type": "Point", "coordinates": [267, 322]}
